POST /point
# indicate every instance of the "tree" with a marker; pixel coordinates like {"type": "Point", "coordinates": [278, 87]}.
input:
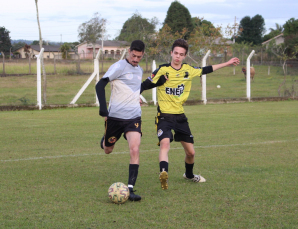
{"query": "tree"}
{"type": "Point", "coordinates": [291, 35]}
{"type": "Point", "coordinates": [273, 32]}
{"type": "Point", "coordinates": [92, 30]}
{"type": "Point", "coordinates": [5, 41]}
{"type": "Point", "coordinates": [206, 27]}
{"type": "Point", "coordinates": [291, 27]}
{"type": "Point", "coordinates": [204, 37]}
{"type": "Point", "coordinates": [179, 18]}
{"type": "Point", "coordinates": [42, 62]}
{"type": "Point", "coordinates": [18, 45]}
{"type": "Point", "coordinates": [161, 43]}
{"type": "Point", "coordinates": [37, 42]}
{"type": "Point", "coordinates": [281, 52]}
{"type": "Point", "coordinates": [251, 29]}
{"type": "Point", "coordinates": [137, 28]}
{"type": "Point", "coordinates": [239, 49]}
{"type": "Point", "coordinates": [27, 50]}
{"type": "Point", "coordinates": [278, 28]}
{"type": "Point", "coordinates": [64, 49]}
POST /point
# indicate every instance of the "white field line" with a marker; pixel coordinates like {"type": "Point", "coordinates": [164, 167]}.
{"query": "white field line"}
{"type": "Point", "coordinates": [144, 151]}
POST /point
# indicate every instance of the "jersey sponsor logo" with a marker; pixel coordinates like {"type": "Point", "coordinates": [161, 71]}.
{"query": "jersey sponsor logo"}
{"type": "Point", "coordinates": [186, 75]}
{"type": "Point", "coordinates": [175, 91]}
{"type": "Point", "coordinates": [136, 125]}
{"type": "Point", "coordinates": [159, 132]}
{"type": "Point", "coordinates": [177, 75]}
{"type": "Point", "coordinates": [197, 67]}
{"type": "Point", "coordinates": [112, 139]}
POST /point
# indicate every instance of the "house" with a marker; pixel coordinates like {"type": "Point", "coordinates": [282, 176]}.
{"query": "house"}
{"type": "Point", "coordinates": [50, 51]}
{"type": "Point", "coordinates": [279, 39]}
{"type": "Point", "coordinates": [111, 49]}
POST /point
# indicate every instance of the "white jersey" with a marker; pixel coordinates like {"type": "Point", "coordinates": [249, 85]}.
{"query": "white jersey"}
{"type": "Point", "coordinates": [125, 80]}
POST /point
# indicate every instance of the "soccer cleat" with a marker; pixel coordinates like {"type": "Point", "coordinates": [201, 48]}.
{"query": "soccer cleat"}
{"type": "Point", "coordinates": [101, 142]}
{"type": "Point", "coordinates": [133, 197]}
{"type": "Point", "coordinates": [197, 178]}
{"type": "Point", "coordinates": [163, 177]}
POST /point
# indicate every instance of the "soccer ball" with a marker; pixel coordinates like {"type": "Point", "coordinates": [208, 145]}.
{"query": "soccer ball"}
{"type": "Point", "coordinates": [218, 86]}
{"type": "Point", "coordinates": [118, 193]}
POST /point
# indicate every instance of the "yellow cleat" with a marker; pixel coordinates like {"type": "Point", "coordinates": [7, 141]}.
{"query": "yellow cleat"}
{"type": "Point", "coordinates": [163, 177]}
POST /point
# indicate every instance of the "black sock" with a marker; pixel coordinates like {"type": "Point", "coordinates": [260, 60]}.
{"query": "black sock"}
{"type": "Point", "coordinates": [133, 174]}
{"type": "Point", "coordinates": [163, 165]}
{"type": "Point", "coordinates": [189, 170]}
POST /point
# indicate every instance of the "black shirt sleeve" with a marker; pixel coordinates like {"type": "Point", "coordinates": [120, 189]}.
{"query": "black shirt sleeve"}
{"type": "Point", "coordinates": [147, 84]}
{"type": "Point", "coordinates": [101, 95]}
{"type": "Point", "coordinates": [207, 69]}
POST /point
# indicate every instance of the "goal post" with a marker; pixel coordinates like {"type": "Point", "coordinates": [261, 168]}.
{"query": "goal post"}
{"type": "Point", "coordinates": [154, 89]}
{"type": "Point", "coordinates": [204, 83]}
{"type": "Point", "coordinates": [248, 90]}
{"type": "Point", "coordinates": [93, 75]}
{"type": "Point", "coordinates": [38, 80]}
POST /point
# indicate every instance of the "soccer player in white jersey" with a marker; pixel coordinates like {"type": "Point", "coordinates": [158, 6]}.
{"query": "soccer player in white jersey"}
{"type": "Point", "coordinates": [124, 113]}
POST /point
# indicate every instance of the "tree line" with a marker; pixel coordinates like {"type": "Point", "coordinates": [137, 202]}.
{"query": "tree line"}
{"type": "Point", "coordinates": [200, 33]}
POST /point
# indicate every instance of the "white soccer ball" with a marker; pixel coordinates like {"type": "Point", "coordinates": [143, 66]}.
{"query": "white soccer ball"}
{"type": "Point", "coordinates": [118, 193]}
{"type": "Point", "coordinates": [218, 86]}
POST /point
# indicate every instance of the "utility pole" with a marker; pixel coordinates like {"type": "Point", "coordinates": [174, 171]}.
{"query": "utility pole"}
{"type": "Point", "coordinates": [234, 31]}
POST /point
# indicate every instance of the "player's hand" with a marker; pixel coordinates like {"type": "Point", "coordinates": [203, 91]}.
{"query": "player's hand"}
{"type": "Point", "coordinates": [105, 118]}
{"type": "Point", "coordinates": [234, 61]}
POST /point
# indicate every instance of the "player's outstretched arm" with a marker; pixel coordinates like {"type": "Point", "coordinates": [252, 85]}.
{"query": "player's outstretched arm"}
{"type": "Point", "coordinates": [147, 84]}
{"type": "Point", "coordinates": [234, 61]}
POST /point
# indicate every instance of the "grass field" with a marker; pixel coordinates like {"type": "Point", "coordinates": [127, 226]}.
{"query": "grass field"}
{"type": "Point", "coordinates": [63, 67]}
{"type": "Point", "coordinates": [54, 174]}
{"type": "Point", "coordinates": [61, 89]}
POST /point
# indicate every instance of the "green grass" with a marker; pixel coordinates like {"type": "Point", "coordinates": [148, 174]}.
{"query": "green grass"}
{"type": "Point", "coordinates": [62, 88]}
{"type": "Point", "coordinates": [54, 174]}
{"type": "Point", "coordinates": [69, 67]}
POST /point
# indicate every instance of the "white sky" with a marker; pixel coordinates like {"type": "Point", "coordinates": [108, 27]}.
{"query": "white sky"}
{"type": "Point", "coordinates": [60, 19]}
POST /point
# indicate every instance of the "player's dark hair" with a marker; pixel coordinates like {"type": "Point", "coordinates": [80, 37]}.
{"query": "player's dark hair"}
{"type": "Point", "coordinates": [137, 45]}
{"type": "Point", "coordinates": [180, 43]}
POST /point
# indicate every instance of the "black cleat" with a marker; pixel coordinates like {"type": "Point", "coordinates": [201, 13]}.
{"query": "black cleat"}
{"type": "Point", "coordinates": [134, 197]}
{"type": "Point", "coordinates": [101, 142]}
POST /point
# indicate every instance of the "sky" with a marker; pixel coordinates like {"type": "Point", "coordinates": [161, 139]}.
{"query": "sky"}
{"type": "Point", "coordinates": [60, 20]}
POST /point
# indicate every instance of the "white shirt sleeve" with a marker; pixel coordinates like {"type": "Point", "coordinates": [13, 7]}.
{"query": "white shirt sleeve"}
{"type": "Point", "coordinates": [114, 71]}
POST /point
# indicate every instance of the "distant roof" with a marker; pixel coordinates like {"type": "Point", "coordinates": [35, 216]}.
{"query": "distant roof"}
{"type": "Point", "coordinates": [108, 43]}
{"type": "Point", "coordinates": [48, 48]}
{"type": "Point", "coordinates": [265, 42]}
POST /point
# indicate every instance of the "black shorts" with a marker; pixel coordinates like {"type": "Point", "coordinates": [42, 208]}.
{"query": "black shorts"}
{"type": "Point", "coordinates": [114, 128]}
{"type": "Point", "coordinates": [165, 123]}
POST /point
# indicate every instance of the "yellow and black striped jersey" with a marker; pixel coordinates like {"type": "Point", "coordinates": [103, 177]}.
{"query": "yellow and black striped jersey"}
{"type": "Point", "coordinates": [175, 91]}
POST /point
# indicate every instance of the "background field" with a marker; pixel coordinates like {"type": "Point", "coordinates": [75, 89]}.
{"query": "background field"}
{"type": "Point", "coordinates": [61, 88]}
{"type": "Point", "coordinates": [54, 174]}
